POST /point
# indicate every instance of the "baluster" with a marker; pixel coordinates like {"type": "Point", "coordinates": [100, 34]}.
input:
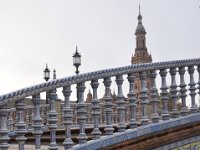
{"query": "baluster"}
{"type": "Point", "coordinates": [20, 124]}
{"type": "Point", "coordinates": [154, 95]}
{"type": "Point", "coordinates": [74, 114]}
{"type": "Point", "coordinates": [108, 106]}
{"type": "Point", "coordinates": [192, 89]}
{"type": "Point", "coordinates": [144, 98]}
{"type": "Point", "coordinates": [27, 118]}
{"type": "Point", "coordinates": [164, 95]}
{"type": "Point", "coordinates": [43, 118]}
{"type": "Point", "coordinates": [101, 114]}
{"type": "Point", "coordinates": [81, 113]}
{"type": "Point", "coordinates": [7, 119]}
{"type": "Point", "coordinates": [104, 115]}
{"type": "Point", "coordinates": [183, 90]}
{"type": "Point", "coordinates": [91, 118]}
{"type": "Point", "coordinates": [62, 114]}
{"type": "Point", "coordinates": [132, 101]}
{"type": "Point", "coordinates": [10, 120]}
{"type": "Point", "coordinates": [52, 119]}
{"type": "Point", "coordinates": [37, 121]}
{"type": "Point", "coordinates": [88, 114]}
{"type": "Point", "coordinates": [46, 108]}
{"type": "Point", "coordinates": [47, 113]}
{"type": "Point", "coordinates": [137, 87]}
{"type": "Point", "coordinates": [198, 69]}
{"type": "Point", "coordinates": [67, 117]}
{"type": "Point", "coordinates": [120, 104]}
{"type": "Point", "coordinates": [31, 115]}
{"type": "Point", "coordinates": [173, 92]}
{"type": "Point", "coordinates": [127, 113]}
{"type": "Point", "coordinates": [14, 119]}
{"type": "Point", "coordinates": [96, 110]}
{"type": "Point", "coordinates": [3, 129]}
{"type": "Point", "coordinates": [115, 117]}
{"type": "Point", "coordinates": [114, 108]}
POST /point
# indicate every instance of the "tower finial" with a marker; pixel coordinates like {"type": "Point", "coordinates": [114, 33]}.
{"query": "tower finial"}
{"type": "Point", "coordinates": [139, 7]}
{"type": "Point", "coordinates": [139, 15]}
{"type": "Point", "coordinates": [76, 48]}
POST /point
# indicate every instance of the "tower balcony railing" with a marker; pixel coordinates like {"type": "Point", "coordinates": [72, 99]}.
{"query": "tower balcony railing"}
{"type": "Point", "coordinates": [154, 103]}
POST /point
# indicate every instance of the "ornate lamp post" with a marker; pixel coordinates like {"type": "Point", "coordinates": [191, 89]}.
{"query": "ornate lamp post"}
{"type": "Point", "coordinates": [76, 60]}
{"type": "Point", "coordinates": [46, 73]}
{"type": "Point", "coordinates": [54, 74]}
{"type": "Point", "coordinates": [77, 63]}
{"type": "Point", "coordinates": [47, 77]}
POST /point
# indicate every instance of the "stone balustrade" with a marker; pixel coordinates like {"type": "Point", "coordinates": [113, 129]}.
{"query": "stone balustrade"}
{"type": "Point", "coordinates": [28, 114]}
{"type": "Point", "coordinates": [107, 112]}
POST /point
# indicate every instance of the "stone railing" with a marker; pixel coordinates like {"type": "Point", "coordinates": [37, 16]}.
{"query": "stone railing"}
{"type": "Point", "coordinates": [149, 101]}
{"type": "Point", "coordinates": [28, 114]}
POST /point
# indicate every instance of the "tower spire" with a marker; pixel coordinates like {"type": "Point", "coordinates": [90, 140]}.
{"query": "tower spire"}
{"type": "Point", "coordinates": [139, 7]}
{"type": "Point", "coordinates": [139, 16]}
{"type": "Point", "coordinates": [140, 28]}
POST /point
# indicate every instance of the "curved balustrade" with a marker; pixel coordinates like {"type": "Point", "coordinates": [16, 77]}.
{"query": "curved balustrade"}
{"type": "Point", "coordinates": [107, 113]}
{"type": "Point", "coordinates": [29, 91]}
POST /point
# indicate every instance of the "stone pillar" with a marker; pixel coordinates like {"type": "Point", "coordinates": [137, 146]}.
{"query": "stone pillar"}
{"type": "Point", "coordinates": [108, 106]}
{"type": "Point", "coordinates": [173, 92]}
{"type": "Point", "coordinates": [120, 104]}
{"type": "Point", "coordinates": [154, 95]}
{"type": "Point", "coordinates": [20, 124]}
{"type": "Point", "coordinates": [192, 89]}
{"type": "Point", "coordinates": [67, 118]}
{"type": "Point", "coordinates": [3, 129]}
{"type": "Point", "coordinates": [164, 95]}
{"type": "Point", "coordinates": [183, 90]}
{"type": "Point", "coordinates": [52, 120]}
{"type": "Point", "coordinates": [81, 113]}
{"type": "Point", "coordinates": [96, 110]}
{"type": "Point", "coordinates": [37, 121]}
{"type": "Point", "coordinates": [132, 101]}
{"type": "Point", "coordinates": [144, 98]}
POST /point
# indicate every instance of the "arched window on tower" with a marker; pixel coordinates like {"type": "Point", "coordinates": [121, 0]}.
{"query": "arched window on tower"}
{"type": "Point", "coordinates": [143, 43]}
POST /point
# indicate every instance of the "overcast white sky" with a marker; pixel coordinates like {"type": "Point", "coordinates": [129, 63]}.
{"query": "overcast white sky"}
{"type": "Point", "coordinates": [33, 32]}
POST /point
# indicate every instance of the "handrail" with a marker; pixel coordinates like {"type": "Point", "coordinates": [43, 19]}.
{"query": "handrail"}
{"type": "Point", "coordinates": [35, 89]}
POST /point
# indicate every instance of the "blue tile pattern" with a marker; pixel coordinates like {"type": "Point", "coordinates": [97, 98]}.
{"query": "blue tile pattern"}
{"type": "Point", "coordinates": [142, 131]}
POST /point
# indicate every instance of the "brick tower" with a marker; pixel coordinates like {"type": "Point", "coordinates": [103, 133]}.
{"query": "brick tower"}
{"type": "Point", "coordinates": [141, 56]}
